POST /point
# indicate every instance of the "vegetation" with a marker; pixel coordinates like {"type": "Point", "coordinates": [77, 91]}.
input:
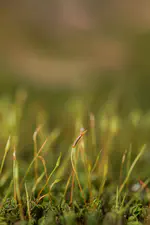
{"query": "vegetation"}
{"type": "Point", "coordinates": [74, 161]}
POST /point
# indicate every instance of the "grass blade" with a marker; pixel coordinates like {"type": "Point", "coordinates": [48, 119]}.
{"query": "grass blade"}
{"type": "Point", "coordinates": [5, 154]}
{"type": "Point", "coordinates": [32, 162]}
{"type": "Point", "coordinates": [55, 168]}
{"type": "Point", "coordinates": [131, 168]}
{"type": "Point", "coordinates": [28, 203]}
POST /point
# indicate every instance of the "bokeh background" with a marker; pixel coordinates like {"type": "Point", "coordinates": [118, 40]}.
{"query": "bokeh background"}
{"type": "Point", "coordinates": [73, 56]}
{"type": "Point", "coordinates": [64, 43]}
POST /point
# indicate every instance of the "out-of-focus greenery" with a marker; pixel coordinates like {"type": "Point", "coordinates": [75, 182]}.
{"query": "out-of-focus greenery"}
{"type": "Point", "coordinates": [113, 157]}
{"type": "Point", "coordinates": [105, 178]}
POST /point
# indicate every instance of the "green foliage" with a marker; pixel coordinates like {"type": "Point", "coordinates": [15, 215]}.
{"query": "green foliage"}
{"type": "Point", "coordinates": [92, 182]}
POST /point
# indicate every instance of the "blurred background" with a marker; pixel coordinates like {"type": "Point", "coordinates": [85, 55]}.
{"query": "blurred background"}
{"type": "Point", "coordinates": [70, 58]}
{"type": "Point", "coordinates": [66, 44]}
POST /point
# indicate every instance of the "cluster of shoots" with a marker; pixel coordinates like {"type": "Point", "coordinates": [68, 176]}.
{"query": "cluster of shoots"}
{"type": "Point", "coordinates": [19, 184]}
{"type": "Point", "coordinates": [78, 151]}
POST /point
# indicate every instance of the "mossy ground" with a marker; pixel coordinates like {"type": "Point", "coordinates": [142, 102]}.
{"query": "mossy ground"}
{"type": "Point", "coordinates": [103, 179]}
